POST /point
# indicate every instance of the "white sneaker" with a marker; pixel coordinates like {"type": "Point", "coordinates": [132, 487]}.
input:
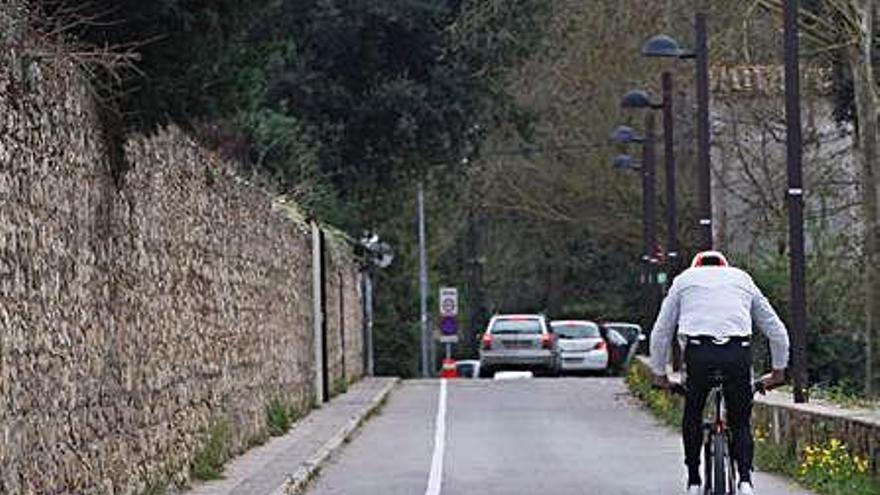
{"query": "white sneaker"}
{"type": "Point", "coordinates": [694, 490]}
{"type": "Point", "coordinates": [745, 488]}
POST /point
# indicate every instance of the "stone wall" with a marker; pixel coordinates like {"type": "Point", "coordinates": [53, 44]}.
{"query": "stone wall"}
{"type": "Point", "coordinates": [344, 325]}
{"type": "Point", "coordinates": [796, 426]}
{"type": "Point", "coordinates": [137, 309]}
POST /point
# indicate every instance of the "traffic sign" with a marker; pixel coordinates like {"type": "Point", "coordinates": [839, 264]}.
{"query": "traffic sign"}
{"type": "Point", "coordinates": [448, 325]}
{"type": "Point", "coordinates": [448, 302]}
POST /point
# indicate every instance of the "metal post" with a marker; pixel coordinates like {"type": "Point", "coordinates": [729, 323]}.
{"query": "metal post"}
{"type": "Point", "coordinates": [703, 157]}
{"type": "Point", "coordinates": [669, 159]}
{"type": "Point", "coordinates": [318, 313]}
{"type": "Point", "coordinates": [672, 257]}
{"type": "Point", "coordinates": [369, 367]}
{"type": "Point", "coordinates": [795, 204]}
{"type": "Point", "coordinates": [649, 202]}
{"type": "Point", "coordinates": [423, 283]}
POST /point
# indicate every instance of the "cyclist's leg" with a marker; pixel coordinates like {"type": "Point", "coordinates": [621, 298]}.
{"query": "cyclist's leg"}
{"type": "Point", "coordinates": [738, 397]}
{"type": "Point", "coordinates": [698, 366]}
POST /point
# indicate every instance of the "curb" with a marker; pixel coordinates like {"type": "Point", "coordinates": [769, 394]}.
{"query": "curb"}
{"type": "Point", "coordinates": [308, 470]}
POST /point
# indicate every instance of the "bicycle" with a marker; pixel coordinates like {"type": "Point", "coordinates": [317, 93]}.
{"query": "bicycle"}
{"type": "Point", "coordinates": [719, 472]}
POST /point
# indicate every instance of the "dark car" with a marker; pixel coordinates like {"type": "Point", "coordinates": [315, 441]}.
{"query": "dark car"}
{"type": "Point", "coordinates": [632, 332]}
{"type": "Point", "coordinates": [618, 349]}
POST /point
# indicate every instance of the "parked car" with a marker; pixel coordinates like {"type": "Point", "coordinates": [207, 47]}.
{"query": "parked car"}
{"type": "Point", "coordinates": [468, 368]}
{"type": "Point", "coordinates": [517, 341]}
{"type": "Point", "coordinates": [632, 332]}
{"type": "Point", "coordinates": [581, 346]}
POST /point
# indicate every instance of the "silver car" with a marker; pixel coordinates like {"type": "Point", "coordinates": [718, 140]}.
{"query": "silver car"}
{"type": "Point", "coordinates": [517, 341]}
{"type": "Point", "coordinates": [581, 346]}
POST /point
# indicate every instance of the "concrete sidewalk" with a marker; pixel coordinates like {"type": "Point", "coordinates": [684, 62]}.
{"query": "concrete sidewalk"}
{"type": "Point", "coordinates": [284, 465]}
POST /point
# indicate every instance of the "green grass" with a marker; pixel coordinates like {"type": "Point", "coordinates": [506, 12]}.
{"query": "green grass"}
{"type": "Point", "coordinates": [214, 451]}
{"type": "Point", "coordinates": [280, 416]}
{"type": "Point", "coordinates": [340, 387]}
{"type": "Point", "coordinates": [156, 488]}
{"type": "Point", "coordinates": [666, 407]}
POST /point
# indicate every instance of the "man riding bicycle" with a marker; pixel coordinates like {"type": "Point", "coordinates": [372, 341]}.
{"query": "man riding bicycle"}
{"type": "Point", "coordinates": [714, 305]}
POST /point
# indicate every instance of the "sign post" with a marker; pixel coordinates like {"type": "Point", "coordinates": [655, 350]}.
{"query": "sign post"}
{"type": "Point", "coordinates": [448, 318]}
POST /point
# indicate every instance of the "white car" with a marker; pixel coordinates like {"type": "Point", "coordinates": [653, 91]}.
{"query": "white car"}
{"type": "Point", "coordinates": [468, 368]}
{"type": "Point", "coordinates": [580, 346]}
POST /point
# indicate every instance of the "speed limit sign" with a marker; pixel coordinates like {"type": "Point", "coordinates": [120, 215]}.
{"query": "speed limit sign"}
{"type": "Point", "coordinates": [448, 301]}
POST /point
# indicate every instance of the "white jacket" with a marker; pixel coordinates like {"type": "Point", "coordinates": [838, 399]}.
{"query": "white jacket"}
{"type": "Point", "coordinates": [716, 301]}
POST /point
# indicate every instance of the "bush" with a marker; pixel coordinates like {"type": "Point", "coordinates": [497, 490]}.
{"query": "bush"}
{"type": "Point", "coordinates": [835, 307]}
{"type": "Point", "coordinates": [280, 416]}
{"type": "Point", "coordinates": [831, 469]}
{"type": "Point", "coordinates": [208, 462]}
{"type": "Point", "coordinates": [667, 407]}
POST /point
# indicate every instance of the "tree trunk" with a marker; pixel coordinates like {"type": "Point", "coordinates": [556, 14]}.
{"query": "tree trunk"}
{"type": "Point", "coordinates": [867, 108]}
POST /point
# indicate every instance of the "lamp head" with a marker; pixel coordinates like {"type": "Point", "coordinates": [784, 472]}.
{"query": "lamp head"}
{"type": "Point", "coordinates": [623, 162]}
{"type": "Point", "coordinates": [662, 46]}
{"type": "Point", "coordinates": [624, 135]}
{"type": "Point", "coordinates": [638, 98]}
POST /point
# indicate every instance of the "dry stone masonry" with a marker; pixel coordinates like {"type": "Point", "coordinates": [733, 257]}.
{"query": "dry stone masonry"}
{"type": "Point", "coordinates": [136, 309]}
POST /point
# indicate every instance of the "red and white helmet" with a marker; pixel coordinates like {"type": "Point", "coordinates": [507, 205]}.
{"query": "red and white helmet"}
{"type": "Point", "coordinates": [709, 258]}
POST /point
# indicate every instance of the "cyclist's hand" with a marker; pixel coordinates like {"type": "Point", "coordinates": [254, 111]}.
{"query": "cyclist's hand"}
{"type": "Point", "coordinates": [773, 380]}
{"type": "Point", "coordinates": [662, 381]}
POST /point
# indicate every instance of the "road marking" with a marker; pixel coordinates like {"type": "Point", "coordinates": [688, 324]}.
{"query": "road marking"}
{"type": "Point", "coordinates": [436, 477]}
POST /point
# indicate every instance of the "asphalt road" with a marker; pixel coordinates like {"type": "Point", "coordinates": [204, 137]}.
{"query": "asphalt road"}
{"type": "Point", "coordinates": [523, 437]}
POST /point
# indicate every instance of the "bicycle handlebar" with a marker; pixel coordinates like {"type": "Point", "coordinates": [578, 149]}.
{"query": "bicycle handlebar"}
{"type": "Point", "coordinates": [680, 389]}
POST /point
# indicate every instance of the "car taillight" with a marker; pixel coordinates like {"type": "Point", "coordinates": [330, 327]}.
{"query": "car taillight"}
{"type": "Point", "coordinates": [546, 341]}
{"type": "Point", "coordinates": [487, 341]}
{"type": "Point", "coordinates": [600, 346]}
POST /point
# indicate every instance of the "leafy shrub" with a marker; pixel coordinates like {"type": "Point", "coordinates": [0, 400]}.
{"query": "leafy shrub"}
{"type": "Point", "coordinates": [280, 416]}
{"type": "Point", "coordinates": [830, 468]}
{"type": "Point", "coordinates": [208, 462]}
{"type": "Point", "coordinates": [667, 407]}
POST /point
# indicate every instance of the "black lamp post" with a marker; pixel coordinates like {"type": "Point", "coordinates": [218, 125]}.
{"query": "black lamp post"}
{"type": "Point", "coordinates": [795, 197]}
{"type": "Point", "coordinates": [641, 99]}
{"type": "Point", "coordinates": [665, 46]}
{"type": "Point", "coordinates": [626, 135]}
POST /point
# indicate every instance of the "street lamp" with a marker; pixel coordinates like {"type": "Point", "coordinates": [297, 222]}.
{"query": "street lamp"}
{"type": "Point", "coordinates": [376, 254]}
{"type": "Point", "coordinates": [639, 99]}
{"type": "Point", "coordinates": [795, 197]}
{"type": "Point", "coordinates": [626, 135]}
{"type": "Point", "coordinates": [663, 46]}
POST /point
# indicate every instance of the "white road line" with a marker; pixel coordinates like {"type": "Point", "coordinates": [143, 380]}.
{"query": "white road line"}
{"type": "Point", "coordinates": [435, 480]}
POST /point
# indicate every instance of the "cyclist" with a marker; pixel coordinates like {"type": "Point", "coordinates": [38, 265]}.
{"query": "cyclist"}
{"type": "Point", "coordinates": [714, 305]}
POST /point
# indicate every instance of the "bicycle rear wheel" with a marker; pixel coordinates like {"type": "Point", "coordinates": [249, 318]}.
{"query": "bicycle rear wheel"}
{"type": "Point", "coordinates": [720, 465]}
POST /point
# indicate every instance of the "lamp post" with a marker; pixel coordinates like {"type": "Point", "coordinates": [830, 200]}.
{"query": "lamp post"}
{"type": "Point", "coordinates": [626, 135]}
{"type": "Point", "coordinates": [641, 99]}
{"type": "Point", "coordinates": [376, 255]}
{"type": "Point", "coordinates": [665, 46]}
{"type": "Point", "coordinates": [795, 204]}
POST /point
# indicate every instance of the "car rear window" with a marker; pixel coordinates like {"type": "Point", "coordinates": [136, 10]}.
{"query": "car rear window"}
{"type": "Point", "coordinates": [576, 330]}
{"type": "Point", "coordinates": [519, 326]}
{"type": "Point", "coordinates": [629, 332]}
